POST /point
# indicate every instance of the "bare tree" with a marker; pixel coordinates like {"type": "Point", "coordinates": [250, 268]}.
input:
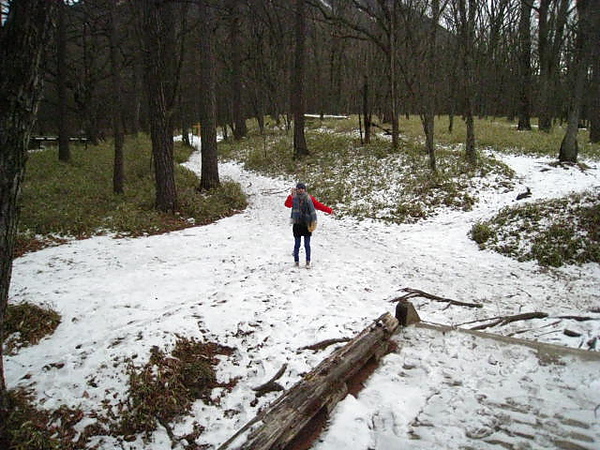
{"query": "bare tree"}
{"type": "Point", "coordinates": [23, 38]}
{"type": "Point", "coordinates": [419, 62]}
{"type": "Point", "coordinates": [297, 92]}
{"type": "Point", "coordinates": [64, 152]}
{"type": "Point", "coordinates": [525, 66]}
{"type": "Point", "coordinates": [237, 89]}
{"type": "Point", "coordinates": [367, 115]}
{"type": "Point", "coordinates": [463, 17]}
{"type": "Point", "coordinates": [595, 80]}
{"type": "Point", "coordinates": [586, 10]}
{"type": "Point", "coordinates": [467, 18]}
{"type": "Point", "coordinates": [157, 27]}
{"type": "Point", "coordinates": [117, 115]}
{"type": "Point", "coordinates": [552, 20]}
{"type": "Point", "coordinates": [90, 66]}
{"type": "Point", "coordinates": [376, 22]}
{"type": "Point", "coordinates": [209, 177]}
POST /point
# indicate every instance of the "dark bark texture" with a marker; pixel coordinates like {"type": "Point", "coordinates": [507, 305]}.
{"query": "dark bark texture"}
{"type": "Point", "coordinates": [297, 95]}
{"type": "Point", "coordinates": [209, 177]}
{"type": "Point", "coordinates": [158, 30]}
{"type": "Point", "coordinates": [23, 39]}
{"type": "Point", "coordinates": [580, 63]}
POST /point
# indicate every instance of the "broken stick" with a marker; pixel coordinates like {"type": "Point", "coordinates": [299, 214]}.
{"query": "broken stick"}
{"type": "Point", "coordinates": [504, 320]}
{"type": "Point", "coordinates": [271, 385]}
{"type": "Point", "coordinates": [410, 293]}
{"type": "Point", "coordinates": [324, 344]}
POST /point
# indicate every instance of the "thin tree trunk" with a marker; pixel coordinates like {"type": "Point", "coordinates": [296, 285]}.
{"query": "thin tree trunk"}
{"type": "Point", "coordinates": [467, 22]}
{"type": "Point", "coordinates": [366, 110]}
{"type": "Point", "coordinates": [119, 138]}
{"type": "Point", "coordinates": [550, 42]}
{"type": "Point", "coordinates": [428, 126]}
{"type": "Point", "coordinates": [525, 66]}
{"type": "Point", "coordinates": [23, 39]}
{"type": "Point", "coordinates": [428, 97]}
{"type": "Point", "coordinates": [64, 152]}
{"type": "Point", "coordinates": [297, 100]}
{"type": "Point", "coordinates": [393, 81]}
{"type": "Point", "coordinates": [545, 62]}
{"type": "Point", "coordinates": [569, 148]}
{"type": "Point", "coordinates": [235, 42]}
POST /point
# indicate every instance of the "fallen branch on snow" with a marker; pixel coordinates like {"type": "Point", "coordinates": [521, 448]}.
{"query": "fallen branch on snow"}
{"type": "Point", "coordinates": [324, 344]}
{"type": "Point", "coordinates": [578, 318]}
{"type": "Point", "coordinates": [271, 385]}
{"type": "Point", "coordinates": [504, 320]}
{"type": "Point", "coordinates": [410, 293]}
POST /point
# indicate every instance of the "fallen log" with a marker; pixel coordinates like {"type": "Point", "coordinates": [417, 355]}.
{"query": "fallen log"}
{"type": "Point", "coordinates": [317, 393]}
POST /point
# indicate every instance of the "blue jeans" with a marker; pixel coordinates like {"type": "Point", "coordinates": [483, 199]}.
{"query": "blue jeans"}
{"type": "Point", "coordinates": [297, 247]}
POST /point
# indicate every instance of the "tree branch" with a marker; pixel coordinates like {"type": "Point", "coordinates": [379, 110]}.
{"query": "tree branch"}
{"type": "Point", "coordinates": [410, 293]}
{"type": "Point", "coordinates": [324, 344]}
{"type": "Point", "coordinates": [271, 385]}
{"type": "Point", "coordinates": [505, 320]}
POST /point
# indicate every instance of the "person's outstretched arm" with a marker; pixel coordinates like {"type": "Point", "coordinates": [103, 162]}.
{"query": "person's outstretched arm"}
{"type": "Point", "coordinates": [320, 206]}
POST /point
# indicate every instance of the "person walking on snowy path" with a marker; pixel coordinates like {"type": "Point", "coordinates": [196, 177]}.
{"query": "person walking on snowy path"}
{"type": "Point", "coordinates": [304, 218]}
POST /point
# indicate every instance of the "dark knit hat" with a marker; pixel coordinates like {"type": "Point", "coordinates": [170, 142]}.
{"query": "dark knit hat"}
{"type": "Point", "coordinates": [301, 186]}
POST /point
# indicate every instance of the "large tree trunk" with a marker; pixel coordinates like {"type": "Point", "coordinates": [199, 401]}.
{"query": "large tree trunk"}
{"type": "Point", "coordinates": [525, 66]}
{"type": "Point", "coordinates": [569, 148]}
{"type": "Point", "coordinates": [208, 110]}
{"type": "Point", "coordinates": [297, 94]}
{"type": "Point", "coordinates": [23, 39]}
{"type": "Point", "coordinates": [595, 80]}
{"type": "Point", "coordinates": [159, 47]}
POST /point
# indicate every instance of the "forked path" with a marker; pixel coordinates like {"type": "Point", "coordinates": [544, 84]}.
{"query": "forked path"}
{"type": "Point", "coordinates": [234, 282]}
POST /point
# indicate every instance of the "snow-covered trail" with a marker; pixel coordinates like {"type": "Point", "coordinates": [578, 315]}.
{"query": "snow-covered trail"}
{"type": "Point", "coordinates": [234, 282]}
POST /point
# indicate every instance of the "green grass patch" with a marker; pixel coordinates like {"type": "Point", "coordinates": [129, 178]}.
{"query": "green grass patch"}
{"type": "Point", "coordinates": [370, 181]}
{"type": "Point", "coordinates": [76, 199]}
{"type": "Point", "coordinates": [502, 135]}
{"type": "Point", "coordinates": [552, 232]}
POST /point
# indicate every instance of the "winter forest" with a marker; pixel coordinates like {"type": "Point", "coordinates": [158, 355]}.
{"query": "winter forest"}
{"type": "Point", "coordinates": [400, 89]}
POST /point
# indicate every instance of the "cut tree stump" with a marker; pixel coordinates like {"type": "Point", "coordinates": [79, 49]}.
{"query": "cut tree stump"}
{"type": "Point", "coordinates": [406, 313]}
{"type": "Point", "coordinates": [317, 393]}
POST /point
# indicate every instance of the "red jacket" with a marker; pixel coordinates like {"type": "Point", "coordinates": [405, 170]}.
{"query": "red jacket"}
{"type": "Point", "coordinates": [318, 205]}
